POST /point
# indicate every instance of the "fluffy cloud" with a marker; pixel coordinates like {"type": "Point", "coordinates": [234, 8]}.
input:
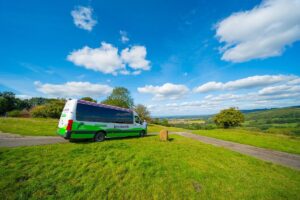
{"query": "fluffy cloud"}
{"type": "Point", "coordinates": [210, 86]}
{"type": "Point", "coordinates": [124, 37]}
{"type": "Point", "coordinates": [262, 32]}
{"type": "Point", "coordinates": [245, 83]}
{"type": "Point", "coordinates": [73, 89]}
{"type": "Point", "coordinates": [82, 17]}
{"type": "Point", "coordinates": [135, 57]}
{"type": "Point", "coordinates": [166, 91]}
{"type": "Point", "coordinates": [106, 59]}
{"type": "Point", "coordinates": [280, 89]}
{"type": "Point", "coordinates": [214, 103]}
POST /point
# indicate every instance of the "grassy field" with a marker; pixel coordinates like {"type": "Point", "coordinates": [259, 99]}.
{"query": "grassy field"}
{"type": "Point", "coordinates": [29, 126]}
{"type": "Point", "coordinates": [47, 127]}
{"type": "Point", "coordinates": [278, 142]}
{"type": "Point", "coordinates": [156, 128]}
{"type": "Point", "coordinates": [141, 168]}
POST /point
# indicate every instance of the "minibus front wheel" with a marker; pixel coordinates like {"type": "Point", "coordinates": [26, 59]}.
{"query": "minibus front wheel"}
{"type": "Point", "coordinates": [142, 133]}
{"type": "Point", "coordinates": [99, 137]}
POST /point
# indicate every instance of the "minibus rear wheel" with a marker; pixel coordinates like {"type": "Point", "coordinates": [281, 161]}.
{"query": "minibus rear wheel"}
{"type": "Point", "coordinates": [99, 137]}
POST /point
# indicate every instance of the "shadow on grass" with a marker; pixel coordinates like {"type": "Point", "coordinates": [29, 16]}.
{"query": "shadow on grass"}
{"type": "Point", "coordinates": [87, 141]}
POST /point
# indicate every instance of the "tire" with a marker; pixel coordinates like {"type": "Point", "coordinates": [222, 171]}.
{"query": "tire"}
{"type": "Point", "coordinates": [142, 133]}
{"type": "Point", "coordinates": [99, 137]}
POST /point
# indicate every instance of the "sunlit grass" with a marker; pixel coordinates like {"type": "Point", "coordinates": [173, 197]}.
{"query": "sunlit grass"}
{"type": "Point", "coordinates": [141, 168]}
{"type": "Point", "coordinates": [278, 142]}
{"type": "Point", "coordinates": [29, 126]}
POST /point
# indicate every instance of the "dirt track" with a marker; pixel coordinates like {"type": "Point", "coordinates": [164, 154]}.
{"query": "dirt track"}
{"type": "Point", "coordinates": [282, 158]}
{"type": "Point", "coordinates": [12, 140]}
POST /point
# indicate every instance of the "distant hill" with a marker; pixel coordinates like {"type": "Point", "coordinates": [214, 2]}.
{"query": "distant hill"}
{"type": "Point", "coordinates": [267, 109]}
{"type": "Point", "coordinates": [273, 114]}
{"type": "Point", "coordinates": [204, 117]}
{"type": "Point", "coordinates": [284, 114]}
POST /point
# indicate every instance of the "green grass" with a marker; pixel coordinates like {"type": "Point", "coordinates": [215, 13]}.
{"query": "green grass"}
{"type": "Point", "coordinates": [152, 128]}
{"type": "Point", "coordinates": [141, 168]}
{"type": "Point", "coordinates": [29, 126]}
{"type": "Point", "coordinates": [47, 127]}
{"type": "Point", "coordinates": [278, 142]}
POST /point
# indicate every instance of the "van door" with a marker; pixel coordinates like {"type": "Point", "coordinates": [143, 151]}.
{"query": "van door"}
{"type": "Point", "coordinates": [67, 113]}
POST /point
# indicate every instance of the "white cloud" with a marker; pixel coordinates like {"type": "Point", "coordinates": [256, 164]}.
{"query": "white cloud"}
{"type": "Point", "coordinates": [214, 103]}
{"type": "Point", "coordinates": [73, 89]}
{"type": "Point", "coordinates": [23, 96]}
{"type": "Point", "coordinates": [280, 89]}
{"type": "Point", "coordinates": [284, 93]}
{"type": "Point", "coordinates": [106, 59]}
{"type": "Point", "coordinates": [166, 91]}
{"type": "Point", "coordinates": [82, 17]}
{"type": "Point", "coordinates": [245, 83]}
{"type": "Point", "coordinates": [124, 38]}
{"type": "Point", "coordinates": [135, 57]}
{"type": "Point", "coordinates": [210, 86]}
{"type": "Point", "coordinates": [262, 32]}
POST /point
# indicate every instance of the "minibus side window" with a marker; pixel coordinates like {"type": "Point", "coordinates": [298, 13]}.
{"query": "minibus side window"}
{"type": "Point", "coordinates": [101, 114]}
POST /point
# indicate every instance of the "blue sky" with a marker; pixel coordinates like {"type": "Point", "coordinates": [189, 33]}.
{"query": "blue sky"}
{"type": "Point", "coordinates": [176, 57]}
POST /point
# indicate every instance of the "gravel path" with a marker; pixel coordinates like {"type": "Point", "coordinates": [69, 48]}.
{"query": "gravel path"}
{"type": "Point", "coordinates": [278, 157]}
{"type": "Point", "coordinates": [13, 140]}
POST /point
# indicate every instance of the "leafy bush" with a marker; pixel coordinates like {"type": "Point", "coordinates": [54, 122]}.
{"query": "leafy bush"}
{"type": "Point", "coordinates": [49, 110]}
{"type": "Point", "coordinates": [13, 113]}
{"type": "Point", "coordinates": [18, 113]}
{"type": "Point", "coordinates": [229, 118]}
{"type": "Point", "coordinates": [39, 111]}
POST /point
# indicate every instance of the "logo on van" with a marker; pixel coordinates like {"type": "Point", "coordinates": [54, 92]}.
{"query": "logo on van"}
{"type": "Point", "coordinates": [121, 126]}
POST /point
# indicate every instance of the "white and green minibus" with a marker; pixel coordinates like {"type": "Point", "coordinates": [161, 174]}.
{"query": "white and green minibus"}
{"type": "Point", "coordinates": [83, 119]}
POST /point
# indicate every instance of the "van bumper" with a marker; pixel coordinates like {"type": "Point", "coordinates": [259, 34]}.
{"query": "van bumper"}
{"type": "Point", "coordinates": [63, 133]}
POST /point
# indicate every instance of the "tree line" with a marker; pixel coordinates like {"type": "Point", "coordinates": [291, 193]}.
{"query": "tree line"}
{"type": "Point", "coordinates": [11, 106]}
{"type": "Point", "coordinates": [41, 107]}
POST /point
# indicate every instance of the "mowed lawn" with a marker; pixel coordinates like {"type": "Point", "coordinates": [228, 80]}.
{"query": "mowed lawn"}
{"type": "Point", "coordinates": [29, 126]}
{"type": "Point", "coordinates": [279, 142]}
{"type": "Point", "coordinates": [141, 168]}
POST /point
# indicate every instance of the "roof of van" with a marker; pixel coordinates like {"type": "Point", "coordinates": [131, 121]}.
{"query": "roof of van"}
{"type": "Point", "coordinates": [104, 105]}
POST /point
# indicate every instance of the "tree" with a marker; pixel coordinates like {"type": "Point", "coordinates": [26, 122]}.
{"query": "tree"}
{"type": "Point", "coordinates": [89, 99]}
{"type": "Point", "coordinates": [22, 104]}
{"type": "Point", "coordinates": [143, 112]}
{"type": "Point", "coordinates": [7, 102]}
{"type": "Point", "coordinates": [121, 97]}
{"type": "Point", "coordinates": [37, 101]}
{"type": "Point", "coordinates": [227, 118]}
